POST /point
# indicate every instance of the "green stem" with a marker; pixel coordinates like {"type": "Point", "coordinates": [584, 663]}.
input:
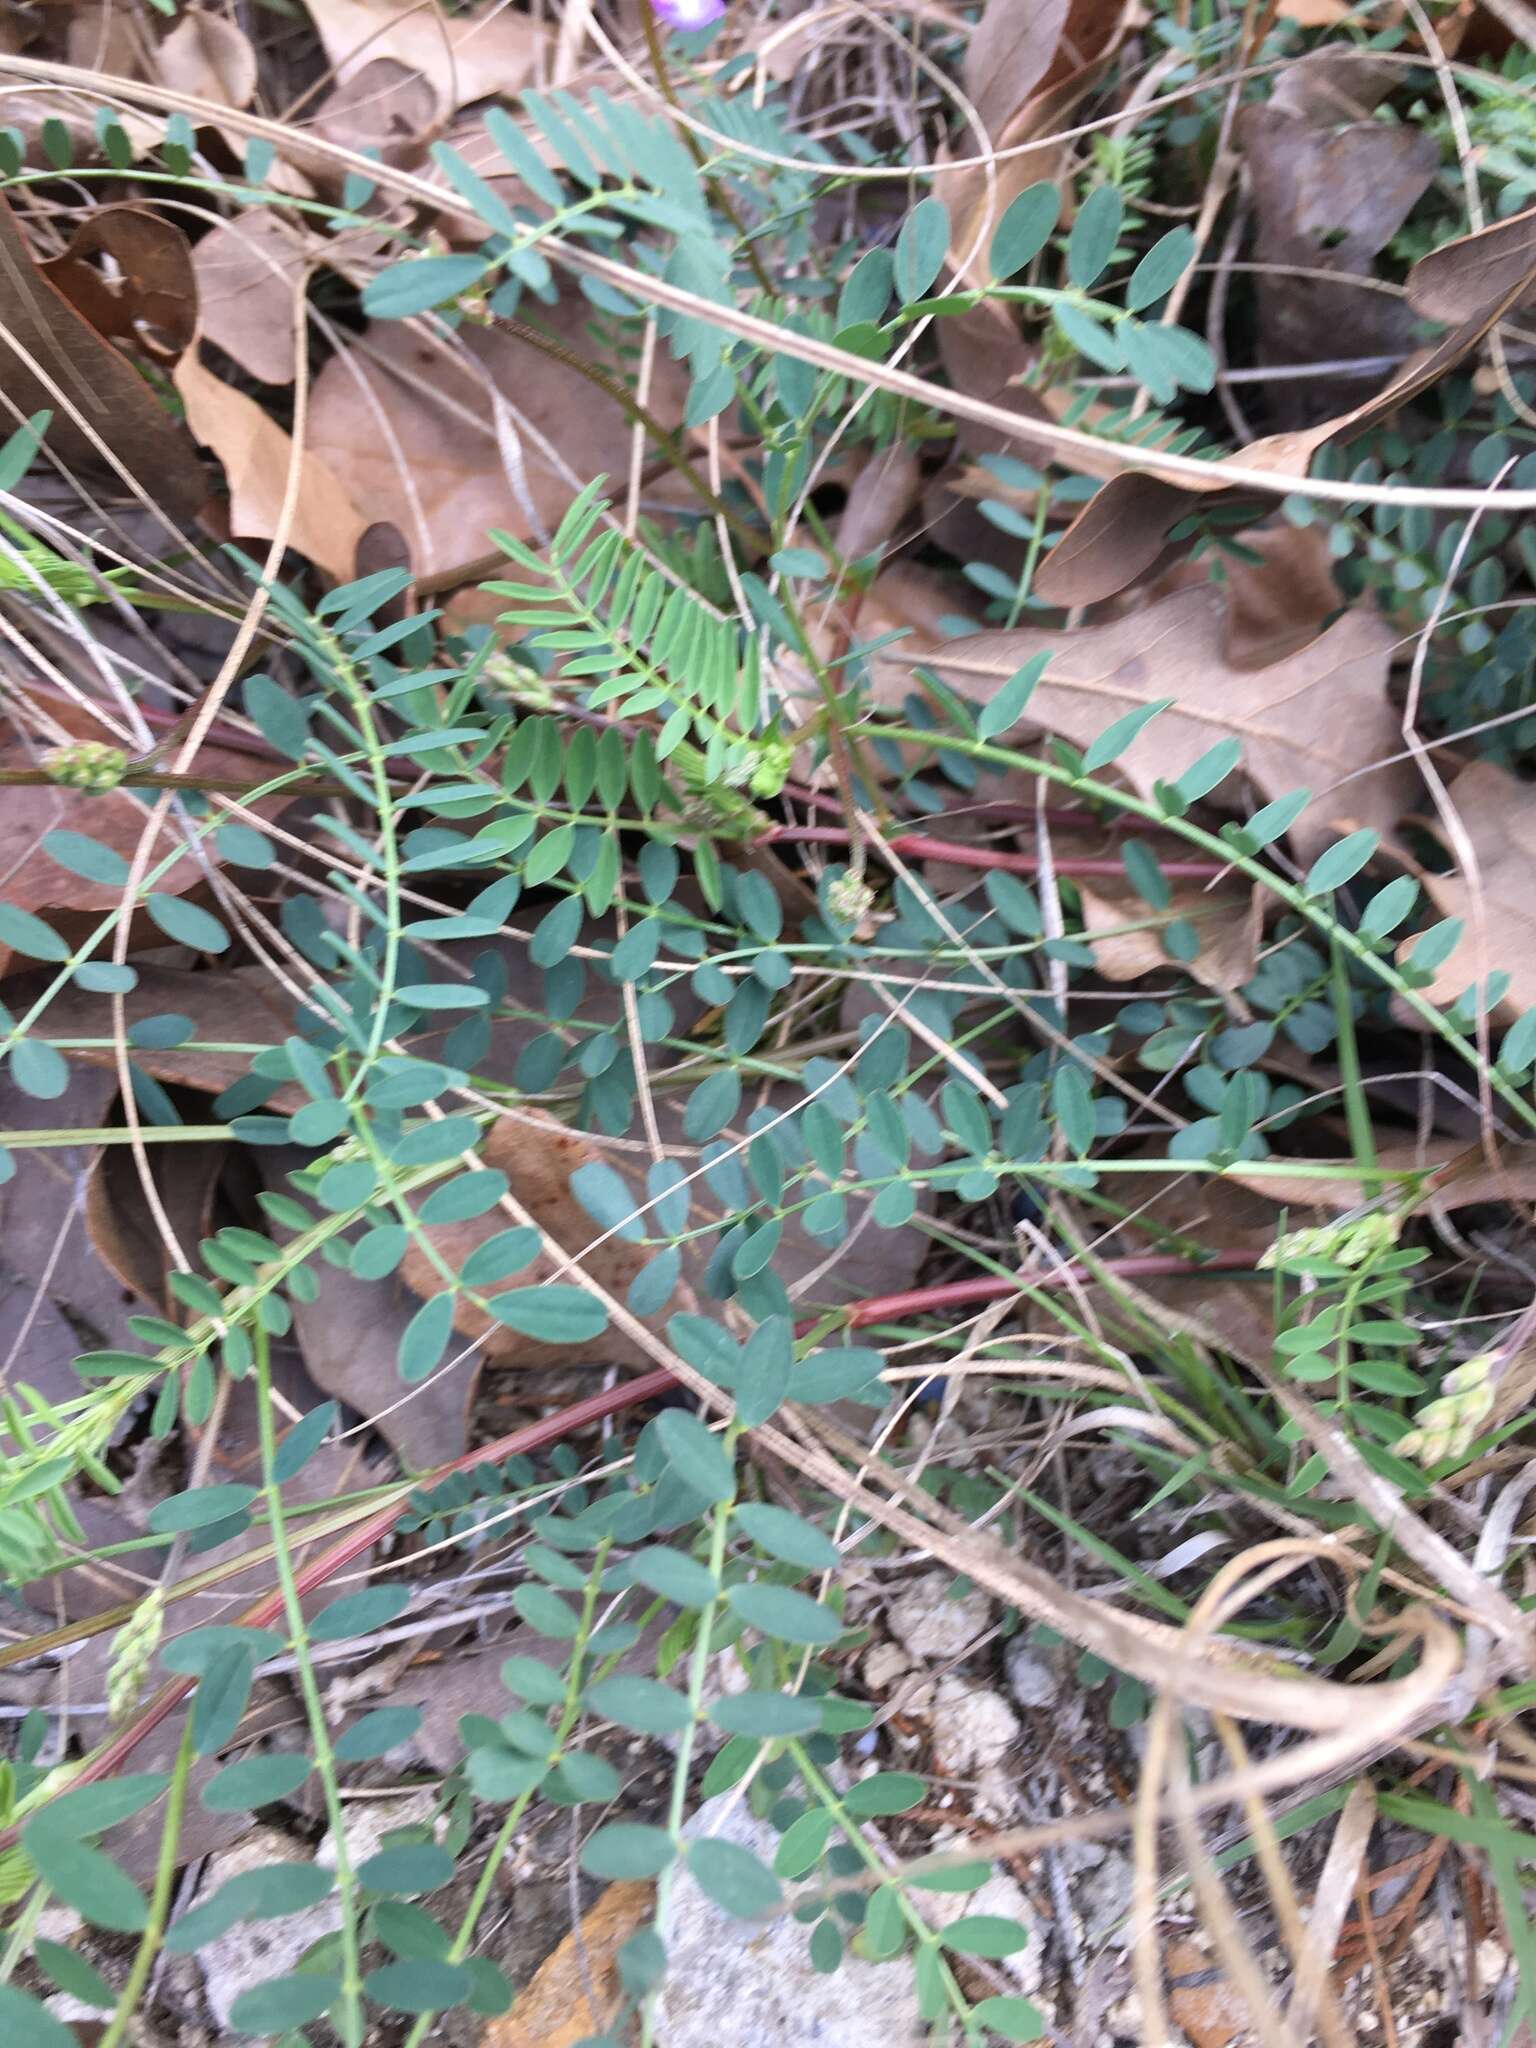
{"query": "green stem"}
{"type": "Point", "coordinates": [1357, 1110]}
{"type": "Point", "coordinates": [349, 2017]}
{"type": "Point", "coordinates": [570, 1713]}
{"type": "Point", "coordinates": [698, 1671]}
{"type": "Point", "coordinates": [160, 1900]}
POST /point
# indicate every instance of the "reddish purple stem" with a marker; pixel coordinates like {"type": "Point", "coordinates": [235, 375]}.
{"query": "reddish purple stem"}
{"type": "Point", "coordinates": [917, 846]}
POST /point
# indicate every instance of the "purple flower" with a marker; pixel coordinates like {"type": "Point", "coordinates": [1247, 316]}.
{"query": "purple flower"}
{"type": "Point", "coordinates": [688, 14]}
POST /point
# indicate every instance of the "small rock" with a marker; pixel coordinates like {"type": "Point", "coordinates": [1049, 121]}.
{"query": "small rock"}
{"type": "Point", "coordinates": [253, 1951]}
{"type": "Point", "coordinates": [1104, 1896]}
{"type": "Point", "coordinates": [65, 2006]}
{"type": "Point", "coordinates": [973, 1729]}
{"type": "Point", "coordinates": [1032, 1676]}
{"type": "Point", "coordinates": [368, 1821]}
{"type": "Point", "coordinates": [58, 1922]}
{"type": "Point", "coordinates": [884, 1663]}
{"type": "Point", "coordinates": [749, 1983]}
{"type": "Point", "coordinates": [931, 1626]}
{"type": "Point", "coordinates": [1000, 1897]}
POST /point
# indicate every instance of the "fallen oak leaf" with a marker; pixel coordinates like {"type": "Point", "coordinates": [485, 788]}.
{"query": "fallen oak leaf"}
{"type": "Point", "coordinates": [538, 1157]}
{"type": "Point", "coordinates": [411, 430]}
{"type": "Point", "coordinates": [228, 1016]}
{"type": "Point", "coordinates": [1017, 53]}
{"type": "Point", "coordinates": [123, 1232]}
{"type": "Point", "coordinates": [1495, 265]}
{"type": "Point", "coordinates": [1131, 939]}
{"type": "Point", "coordinates": [1329, 196]}
{"type": "Point", "coordinates": [1498, 815]}
{"type": "Point", "coordinates": [210, 58]}
{"type": "Point", "coordinates": [256, 454]}
{"type": "Point", "coordinates": [248, 272]}
{"type": "Point", "coordinates": [491, 53]}
{"type": "Point", "coordinates": [1320, 716]}
{"type": "Point", "coordinates": [72, 903]}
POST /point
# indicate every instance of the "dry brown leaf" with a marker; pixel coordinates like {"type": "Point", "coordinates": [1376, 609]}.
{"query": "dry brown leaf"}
{"type": "Point", "coordinates": [256, 454]}
{"type": "Point", "coordinates": [99, 35]}
{"type": "Point", "coordinates": [1202, 2002]}
{"type": "Point", "coordinates": [32, 881]}
{"type": "Point", "coordinates": [56, 1297]}
{"type": "Point", "coordinates": [228, 1006]}
{"type": "Point", "coordinates": [1493, 266]}
{"type": "Point", "coordinates": [1284, 599]}
{"type": "Point", "coordinates": [493, 51]}
{"type": "Point", "coordinates": [248, 271]}
{"type": "Point", "coordinates": [1234, 1311]}
{"type": "Point", "coordinates": [1277, 604]}
{"type": "Point", "coordinates": [1121, 532]}
{"type": "Point", "coordinates": [879, 500]}
{"type": "Point", "coordinates": [1464, 1181]}
{"type": "Point", "coordinates": [1306, 722]}
{"type": "Point", "coordinates": [1017, 53]}
{"type": "Point", "coordinates": [382, 107]}
{"type": "Point", "coordinates": [1328, 196]}
{"type": "Point", "coordinates": [1498, 909]}
{"type": "Point", "coordinates": [576, 1993]}
{"type": "Point", "coordinates": [121, 1226]}
{"type": "Point", "coordinates": [209, 57]}
{"type": "Point", "coordinates": [538, 1156]}
{"type": "Point", "coordinates": [349, 1341]}
{"type": "Point", "coordinates": [382, 422]}
{"type": "Point", "coordinates": [1227, 919]}
{"type": "Point", "coordinates": [151, 304]}
{"type": "Point", "coordinates": [54, 360]}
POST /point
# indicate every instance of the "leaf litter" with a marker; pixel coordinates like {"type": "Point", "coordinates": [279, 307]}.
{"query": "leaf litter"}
{"type": "Point", "coordinates": [968, 1072]}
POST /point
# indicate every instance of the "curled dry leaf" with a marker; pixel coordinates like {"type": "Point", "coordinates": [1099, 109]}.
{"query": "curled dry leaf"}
{"type": "Point", "coordinates": [151, 304]}
{"type": "Point", "coordinates": [1276, 604]}
{"type": "Point", "coordinates": [576, 1992]}
{"type": "Point", "coordinates": [257, 454]}
{"type": "Point", "coordinates": [1463, 1181]}
{"type": "Point", "coordinates": [429, 438]}
{"type": "Point", "coordinates": [493, 51]}
{"type": "Point", "coordinates": [209, 57]}
{"type": "Point", "coordinates": [1025, 70]}
{"type": "Point", "coordinates": [248, 272]}
{"type": "Point", "coordinates": [1121, 532]}
{"type": "Point", "coordinates": [879, 500]}
{"type": "Point", "coordinates": [349, 1341]}
{"type": "Point", "coordinates": [106, 419]}
{"type": "Point", "coordinates": [1284, 599]}
{"type": "Point", "coordinates": [1311, 721]}
{"type": "Point", "coordinates": [1494, 266]}
{"type": "Point", "coordinates": [1498, 814]}
{"type": "Point", "coordinates": [98, 35]}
